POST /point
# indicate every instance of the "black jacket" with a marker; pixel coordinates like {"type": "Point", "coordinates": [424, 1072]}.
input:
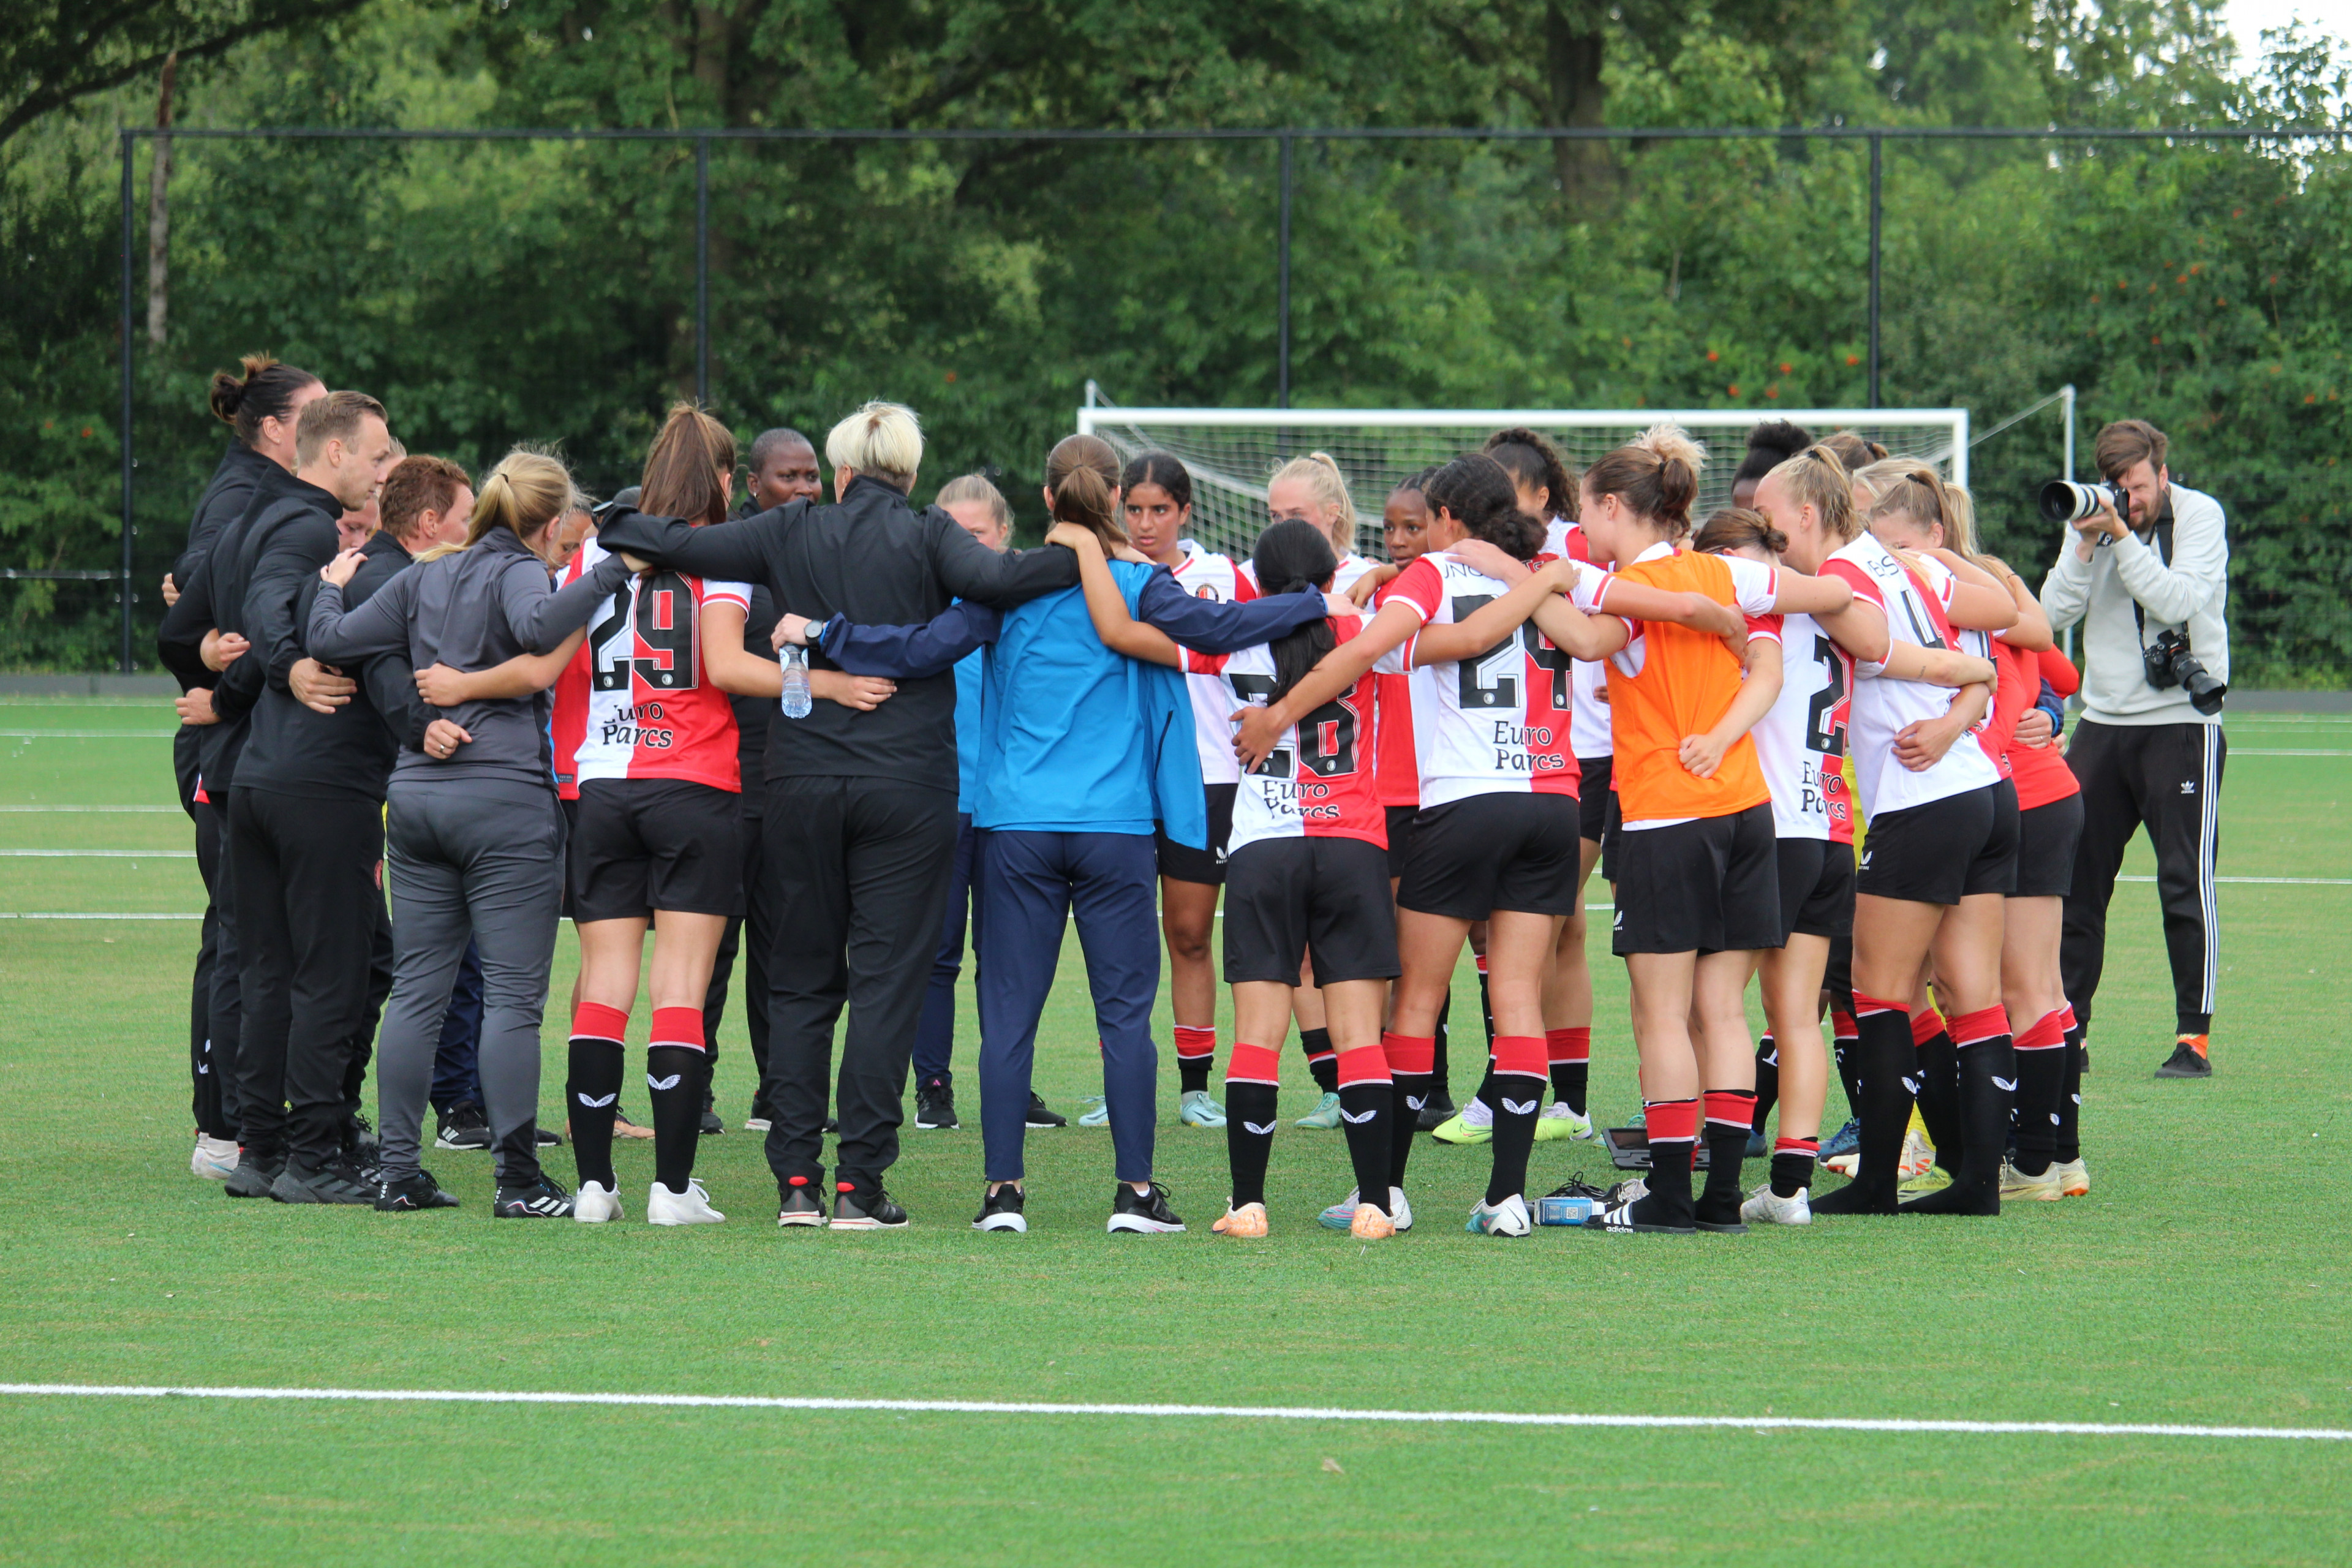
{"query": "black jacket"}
{"type": "Point", "coordinates": [294, 750]}
{"type": "Point", "coordinates": [222, 502]}
{"type": "Point", "coordinates": [875, 559]}
{"type": "Point", "coordinates": [214, 599]}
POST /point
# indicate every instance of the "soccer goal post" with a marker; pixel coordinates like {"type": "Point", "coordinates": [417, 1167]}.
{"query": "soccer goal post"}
{"type": "Point", "coordinates": [1232, 452]}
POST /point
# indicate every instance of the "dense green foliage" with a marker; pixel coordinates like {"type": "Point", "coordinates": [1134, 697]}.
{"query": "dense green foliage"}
{"type": "Point", "coordinates": [495, 291]}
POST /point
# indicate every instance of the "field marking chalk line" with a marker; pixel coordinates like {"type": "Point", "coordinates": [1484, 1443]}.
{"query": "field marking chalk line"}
{"type": "Point", "coordinates": [1230, 1412]}
{"type": "Point", "coordinates": [98, 853]}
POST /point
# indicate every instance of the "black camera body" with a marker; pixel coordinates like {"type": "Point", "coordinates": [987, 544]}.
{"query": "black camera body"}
{"type": "Point", "coordinates": [2168, 663]}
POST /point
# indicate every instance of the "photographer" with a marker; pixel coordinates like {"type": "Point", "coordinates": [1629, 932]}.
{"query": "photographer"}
{"type": "Point", "coordinates": [2148, 586]}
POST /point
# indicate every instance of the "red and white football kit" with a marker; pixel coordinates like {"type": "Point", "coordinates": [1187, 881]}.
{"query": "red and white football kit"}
{"type": "Point", "coordinates": [635, 702]}
{"type": "Point", "coordinates": [1318, 782]}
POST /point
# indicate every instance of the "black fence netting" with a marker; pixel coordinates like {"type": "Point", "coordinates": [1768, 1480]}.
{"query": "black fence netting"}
{"type": "Point", "coordinates": [562, 291]}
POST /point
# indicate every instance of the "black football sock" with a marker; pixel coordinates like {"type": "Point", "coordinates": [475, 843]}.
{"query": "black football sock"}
{"type": "Point", "coordinates": [2070, 1101]}
{"type": "Point", "coordinates": [1768, 1082]}
{"type": "Point", "coordinates": [1939, 1091]}
{"type": "Point", "coordinates": [1572, 1064]}
{"type": "Point", "coordinates": [1987, 1070]}
{"type": "Point", "coordinates": [1249, 1138]}
{"type": "Point", "coordinates": [1792, 1165]}
{"type": "Point", "coordinates": [2041, 1052]}
{"type": "Point", "coordinates": [1486, 1008]}
{"type": "Point", "coordinates": [674, 1075]}
{"type": "Point", "coordinates": [1485, 1095]}
{"type": "Point", "coordinates": [591, 1091]}
{"type": "Point", "coordinates": [1320, 1060]}
{"type": "Point", "coordinates": [1437, 1079]}
{"type": "Point", "coordinates": [1518, 1100]}
{"type": "Point", "coordinates": [1366, 1110]}
{"type": "Point", "coordinates": [1845, 1049]}
{"type": "Point", "coordinates": [1673, 1129]}
{"type": "Point", "coordinates": [1412, 1092]}
{"type": "Point", "coordinates": [1885, 1063]}
{"type": "Point", "coordinates": [1730, 1114]}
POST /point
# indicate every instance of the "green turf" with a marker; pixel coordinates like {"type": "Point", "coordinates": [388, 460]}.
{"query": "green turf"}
{"type": "Point", "coordinates": [2205, 1281]}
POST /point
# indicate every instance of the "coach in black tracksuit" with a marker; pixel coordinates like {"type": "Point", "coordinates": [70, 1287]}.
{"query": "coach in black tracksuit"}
{"type": "Point", "coordinates": [261, 407]}
{"type": "Point", "coordinates": [861, 807]}
{"type": "Point", "coordinates": [304, 832]}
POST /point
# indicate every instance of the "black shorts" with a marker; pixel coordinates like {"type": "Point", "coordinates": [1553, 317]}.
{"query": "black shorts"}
{"type": "Point", "coordinates": [1612, 836]}
{"type": "Point", "coordinates": [1838, 979]}
{"type": "Point", "coordinates": [1400, 835]}
{"type": "Point", "coordinates": [1712, 885]}
{"type": "Point", "coordinates": [1290, 899]}
{"type": "Point", "coordinates": [1816, 889]}
{"type": "Point", "coordinates": [570, 832]}
{"type": "Point", "coordinates": [1511, 852]}
{"type": "Point", "coordinates": [642, 845]}
{"type": "Point", "coordinates": [1592, 793]}
{"type": "Point", "coordinates": [1182, 862]}
{"type": "Point", "coordinates": [2046, 836]}
{"type": "Point", "coordinates": [1944, 851]}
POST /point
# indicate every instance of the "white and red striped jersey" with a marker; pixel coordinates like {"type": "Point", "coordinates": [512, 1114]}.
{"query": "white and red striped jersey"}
{"type": "Point", "coordinates": [1318, 782]}
{"type": "Point", "coordinates": [1206, 575]}
{"type": "Point", "coordinates": [1941, 581]}
{"type": "Point", "coordinates": [1588, 683]}
{"type": "Point", "coordinates": [1495, 725]}
{"type": "Point", "coordinates": [1883, 706]}
{"type": "Point", "coordinates": [1802, 741]}
{"type": "Point", "coordinates": [637, 703]}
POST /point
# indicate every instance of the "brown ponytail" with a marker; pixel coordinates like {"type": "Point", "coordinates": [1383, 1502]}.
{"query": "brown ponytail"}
{"type": "Point", "coordinates": [1082, 475]}
{"type": "Point", "coordinates": [1733, 526]}
{"type": "Point", "coordinates": [1656, 477]}
{"type": "Point", "coordinates": [685, 466]}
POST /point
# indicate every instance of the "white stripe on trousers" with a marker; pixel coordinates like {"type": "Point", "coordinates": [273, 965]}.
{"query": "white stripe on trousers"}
{"type": "Point", "coordinates": [2208, 831]}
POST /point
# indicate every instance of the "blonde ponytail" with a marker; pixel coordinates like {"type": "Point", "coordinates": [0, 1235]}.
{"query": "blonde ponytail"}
{"type": "Point", "coordinates": [528, 490]}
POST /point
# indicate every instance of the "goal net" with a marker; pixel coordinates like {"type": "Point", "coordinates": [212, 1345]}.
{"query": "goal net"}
{"type": "Point", "coordinates": [1232, 452]}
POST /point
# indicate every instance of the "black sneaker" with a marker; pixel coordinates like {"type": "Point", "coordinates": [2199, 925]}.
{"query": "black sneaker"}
{"type": "Point", "coordinates": [1145, 1214]}
{"type": "Point", "coordinates": [1434, 1110]}
{"type": "Point", "coordinates": [1044, 1115]}
{"type": "Point", "coordinates": [1001, 1210]}
{"type": "Point", "coordinates": [801, 1206]}
{"type": "Point", "coordinates": [712, 1125]}
{"type": "Point", "coordinates": [549, 1138]}
{"type": "Point", "coordinates": [462, 1126]}
{"type": "Point", "coordinates": [874, 1210]}
{"type": "Point", "coordinates": [544, 1199]}
{"type": "Point", "coordinates": [2186, 1061]}
{"type": "Point", "coordinates": [935, 1104]}
{"type": "Point", "coordinates": [359, 1140]}
{"type": "Point", "coordinates": [411, 1193]}
{"type": "Point", "coordinates": [337, 1180]}
{"type": "Point", "coordinates": [254, 1177]}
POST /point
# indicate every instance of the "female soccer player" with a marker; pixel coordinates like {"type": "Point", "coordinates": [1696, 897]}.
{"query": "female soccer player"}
{"type": "Point", "coordinates": [1303, 878]}
{"type": "Point", "coordinates": [1548, 488]}
{"type": "Point", "coordinates": [2049, 1070]}
{"type": "Point", "coordinates": [1158, 496]}
{"type": "Point", "coordinates": [644, 712]}
{"type": "Point", "coordinates": [1494, 838]}
{"type": "Point", "coordinates": [474, 840]}
{"type": "Point", "coordinates": [1933, 876]}
{"type": "Point", "coordinates": [1800, 744]}
{"type": "Point", "coordinates": [1698, 882]}
{"type": "Point", "coordinates": [1312, 489]}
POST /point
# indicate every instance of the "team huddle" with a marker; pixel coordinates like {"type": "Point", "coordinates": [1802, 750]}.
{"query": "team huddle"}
{"type": "Point", "coordinates": [841, 736]}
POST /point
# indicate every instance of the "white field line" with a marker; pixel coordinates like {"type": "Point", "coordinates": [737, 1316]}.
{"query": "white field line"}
{"type": "Point", "coordinates": [87, 734]}
{"type": "Point", "coordinates": [47, 915]}
{"type": "Point", "coordinates": [1219, 1412]}
{"type": "Point", "coordinates": [2277, 751]}
{"type": "Point", "coordinates": [100, 854]}
{"type": "Point", "coordinates": [46, 809]}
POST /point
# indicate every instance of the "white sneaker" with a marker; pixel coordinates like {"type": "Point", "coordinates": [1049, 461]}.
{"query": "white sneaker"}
{"type": "Point", "coordinates": [1763, 1207]}
{"type": "Point", "coordinates": [1342, 1215]}
{"type": "Point", "coordinates": [213, 1160]}
{"type": "Point", "coordinates": [1559, 1122]}
{"type": "Point", "coordinates": [595, 1204]}
{"type": "Point", "coordinates": [691, 1206]}
{"type": "Point", "coordinates": [1509, 1217]}
{"type": "Point", "coordinates": [1400, 1210]}
{"type": "Point", "coordinates": [756, 1124]}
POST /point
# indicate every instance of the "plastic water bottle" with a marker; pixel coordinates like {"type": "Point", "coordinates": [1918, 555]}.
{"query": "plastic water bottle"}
{"type": "Point", "coordinates": [797, 701]}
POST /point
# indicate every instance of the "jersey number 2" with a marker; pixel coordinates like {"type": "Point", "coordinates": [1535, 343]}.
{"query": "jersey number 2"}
{"type": "Point", "coordinates": [665, 624]}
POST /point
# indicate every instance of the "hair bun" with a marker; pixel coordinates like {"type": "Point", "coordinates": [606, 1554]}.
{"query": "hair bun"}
{"type": "Point", "coordinates": [1671, 443]}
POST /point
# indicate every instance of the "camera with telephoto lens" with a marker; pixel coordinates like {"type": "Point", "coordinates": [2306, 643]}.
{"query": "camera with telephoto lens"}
{"type": "Point", "coordinates": [2063, 500]}
{"type": "Point", "coordinates": [2168, 663]}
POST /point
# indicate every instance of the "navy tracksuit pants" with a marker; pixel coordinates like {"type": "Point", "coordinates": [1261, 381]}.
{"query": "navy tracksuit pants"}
{"type": "Point", "coordinates": [1031, 886]}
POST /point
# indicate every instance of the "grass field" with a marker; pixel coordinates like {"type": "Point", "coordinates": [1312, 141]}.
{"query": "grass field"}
{"type": "Point", "coordinates": [2204, 1281]}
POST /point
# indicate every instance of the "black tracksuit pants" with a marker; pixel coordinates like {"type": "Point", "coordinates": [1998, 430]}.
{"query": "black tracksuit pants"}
{"type": "Point", "coordinates": [2167, 778]}
{"type": "Point", "coordinates": [210, 1096]}
{"type": "Point", "coordinates": [862, 865]}
{"type": "Point", "coordinates": [308, 913]}
{"type": "Point", "coordinates": [753, 934]}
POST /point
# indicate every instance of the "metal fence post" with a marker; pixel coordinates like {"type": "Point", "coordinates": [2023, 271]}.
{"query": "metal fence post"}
{"type": "Point", "coordinates": [1282, 284]}
{"type": "Point", "coordinates": [1875, 258]}
{"type": "Point", "coordinates": [128, 143]}
{"type": "Point", "coordinates": [702, 269]}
